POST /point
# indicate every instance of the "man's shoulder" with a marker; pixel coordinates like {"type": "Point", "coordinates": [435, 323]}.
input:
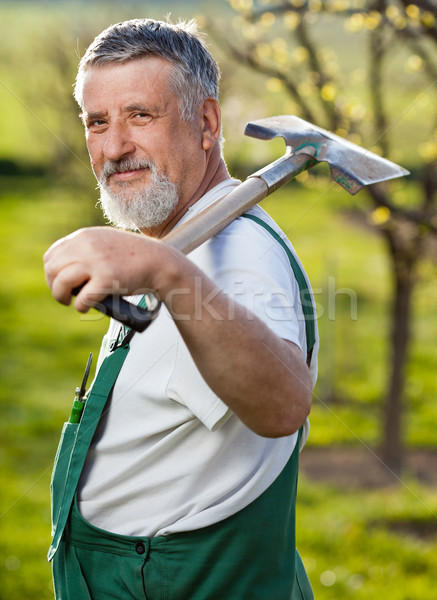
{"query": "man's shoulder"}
{"type": "Point", "coordinates": [255, 232]}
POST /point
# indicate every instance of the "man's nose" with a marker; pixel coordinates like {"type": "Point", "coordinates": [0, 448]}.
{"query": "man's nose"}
{"type": "Point", "coordinates": [118, 142]}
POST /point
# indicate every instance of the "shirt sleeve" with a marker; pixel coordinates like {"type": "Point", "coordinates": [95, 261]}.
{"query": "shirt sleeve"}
{"type": "Point", "coordinates": [187, 386]}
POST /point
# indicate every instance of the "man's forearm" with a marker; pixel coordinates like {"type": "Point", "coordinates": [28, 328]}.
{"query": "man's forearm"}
{"type": "Point", "coordinates": [261, 377]}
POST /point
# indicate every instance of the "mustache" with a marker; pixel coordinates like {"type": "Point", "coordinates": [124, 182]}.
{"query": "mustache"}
{"type": "Point", "coordinates": [125, 164]}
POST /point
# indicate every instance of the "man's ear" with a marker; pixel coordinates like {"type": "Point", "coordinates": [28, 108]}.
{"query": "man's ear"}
{"type": "Point", "coordinates": [211, 123]}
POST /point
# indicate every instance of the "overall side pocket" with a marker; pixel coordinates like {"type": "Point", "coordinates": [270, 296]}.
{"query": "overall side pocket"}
{"type": "Point", "coordinates": [60, 469]}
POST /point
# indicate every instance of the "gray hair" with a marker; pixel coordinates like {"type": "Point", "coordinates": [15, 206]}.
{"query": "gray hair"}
{"type": "Point", "coordinates": [195, 73]}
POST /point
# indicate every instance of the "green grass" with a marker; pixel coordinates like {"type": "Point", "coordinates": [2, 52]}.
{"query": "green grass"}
{"type": "Point", "coordinates": [362, 544]}
{"type": "Point", "coordinates": [43, 353]}
{"type": "Point", "coordinates": [354, 543]}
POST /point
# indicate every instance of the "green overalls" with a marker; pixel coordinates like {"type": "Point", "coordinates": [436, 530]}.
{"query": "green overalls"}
{"type": "Point", "coordinates": [249, 556]}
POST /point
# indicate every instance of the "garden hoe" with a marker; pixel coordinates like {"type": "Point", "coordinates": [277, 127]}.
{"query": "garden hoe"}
{"type": "Point", "coordinates": [351, 166]}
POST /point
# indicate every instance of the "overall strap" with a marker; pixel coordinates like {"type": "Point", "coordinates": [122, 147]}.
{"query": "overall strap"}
{"type": "Point", "coordinates": [94, 405]}
{"type": "Point", "coordinates": [305, 293]}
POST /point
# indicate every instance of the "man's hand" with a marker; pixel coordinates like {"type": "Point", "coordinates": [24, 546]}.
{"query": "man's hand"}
{"type": "Point", "coordinates": [105, 261]}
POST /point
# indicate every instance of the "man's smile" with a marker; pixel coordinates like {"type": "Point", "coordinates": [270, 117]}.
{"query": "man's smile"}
{"type": "Point", "coordinates": [126, 176]}
{"type": "Point", "coordinates": [125, 171]}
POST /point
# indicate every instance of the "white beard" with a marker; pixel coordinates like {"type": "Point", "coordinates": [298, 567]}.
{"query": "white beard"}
{"type": "Point", "coordinates": [142, 209]}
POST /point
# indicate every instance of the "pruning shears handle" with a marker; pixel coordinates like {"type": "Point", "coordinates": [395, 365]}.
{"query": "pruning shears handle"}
{"type": "Point", "coordinates": [78, 402]}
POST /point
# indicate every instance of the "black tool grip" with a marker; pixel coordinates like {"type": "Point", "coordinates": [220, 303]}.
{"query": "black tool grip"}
{"type": "Point", "coordinates": [128, 314]}
{"type": "Point", "coordinates": [131, 315]}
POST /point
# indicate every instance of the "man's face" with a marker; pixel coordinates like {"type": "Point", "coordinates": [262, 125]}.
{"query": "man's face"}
{"type": "Point", "coordinates": [147, 160]}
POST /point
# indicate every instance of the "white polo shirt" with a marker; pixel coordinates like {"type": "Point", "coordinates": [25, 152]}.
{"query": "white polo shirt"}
{"type": "Point", "coordinates": [169, 455]}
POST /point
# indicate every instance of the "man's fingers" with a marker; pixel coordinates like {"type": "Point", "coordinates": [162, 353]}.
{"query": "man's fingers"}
{"type": "Point", "coordinates": [90, 295]}
{"type": "Point", "coordinates": [57, 258]}
{"type": "Point", "coordinates": [65, 280]}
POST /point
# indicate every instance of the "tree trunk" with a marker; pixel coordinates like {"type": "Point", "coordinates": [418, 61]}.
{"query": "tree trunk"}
{"type": "Point", "coordinates": [392, 443]}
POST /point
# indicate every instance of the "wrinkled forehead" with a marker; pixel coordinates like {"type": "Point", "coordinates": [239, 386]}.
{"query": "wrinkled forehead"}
{"type": "Point", "coordinates": [142, 75]}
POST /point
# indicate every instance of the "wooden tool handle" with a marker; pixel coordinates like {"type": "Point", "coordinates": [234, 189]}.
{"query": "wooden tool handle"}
{"type": "Point", "coordinates": [215, 217]}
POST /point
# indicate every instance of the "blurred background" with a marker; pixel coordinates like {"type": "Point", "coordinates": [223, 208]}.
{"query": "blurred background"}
{"type": "Point", "coordinates": [367, 70]}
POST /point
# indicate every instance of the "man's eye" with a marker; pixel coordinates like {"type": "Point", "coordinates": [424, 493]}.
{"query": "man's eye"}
{"type": "Point", "coordinates": [142, 117]}
{"type": "Point", "coordinates": [95, 124]}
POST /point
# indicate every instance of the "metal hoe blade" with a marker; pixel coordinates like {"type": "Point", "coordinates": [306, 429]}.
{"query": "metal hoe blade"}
{"type": "Point", "coordinates": [351, 166]}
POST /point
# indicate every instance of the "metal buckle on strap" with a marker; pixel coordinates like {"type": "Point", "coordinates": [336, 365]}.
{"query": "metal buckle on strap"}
{"type": "Point", "coordinates": [124, 336]}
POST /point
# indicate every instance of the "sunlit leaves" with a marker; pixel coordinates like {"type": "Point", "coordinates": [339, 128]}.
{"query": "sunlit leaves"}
{"type": "Point", "coordinates": [241, 5]}
{"type": "Point", "coordinates": [428, 149]}
{"type": "Point", "coordinates": [281, 52]}
{"type": "Point", "coordinates": [355, 22]}
{"type": "Point", "coordinates": [315, 6]}
{"type": "Point", "coordinates": [275, 85]}
{"type": "Point", "coordinates": [410, 16]}
{"type": "Point", "coordinates": [267, 20]}
{"type": "Point", "coordinates": [291, 20]}
{"type": "Point", "coordinates": [414, 64]}
{"type": "Point", "coordinates": [428, 19]}
{"type": "Point", "coordinates": [357, 111]}
{"type": "Point", "coordinates": [380, 215]}
{"type": "Point", "coordinates": [306, 89]}
{"type": "Point", "coordinates": [338, 5]}
{"type": "Point", "coordinates": [413, 12]}
{"type": "Point", "coordinates": [392, 12]}
{"type": "Point", "coordinates": [363, 21]}
{"type": "Point", "coordinates": [264, 50]}
{"type": "Point", "coordinates": [398, 17]}
{"type": "Point", "coordinates": [328, 92]}
{"type": "Point", "coordinates": [283, 40]}
{"type": "Point", "coordinates": [300, 55]}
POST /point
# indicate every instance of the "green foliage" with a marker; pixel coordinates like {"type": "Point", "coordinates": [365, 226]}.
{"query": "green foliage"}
{"type": "Point", "coordinates": [363, 69]}
{"type": "Point", "coordinates": [359, 544]}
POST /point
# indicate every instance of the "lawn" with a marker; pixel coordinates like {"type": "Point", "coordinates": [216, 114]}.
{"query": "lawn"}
{"type": "Point", "coordinates": [355, 543]}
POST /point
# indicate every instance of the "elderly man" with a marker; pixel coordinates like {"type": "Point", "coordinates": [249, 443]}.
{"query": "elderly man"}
{"type": "Point", "coordinates": [179, 481]}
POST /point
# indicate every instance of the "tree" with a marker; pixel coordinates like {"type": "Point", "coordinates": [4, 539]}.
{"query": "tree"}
{"type": "Point", "coordinates": [286, 41]}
